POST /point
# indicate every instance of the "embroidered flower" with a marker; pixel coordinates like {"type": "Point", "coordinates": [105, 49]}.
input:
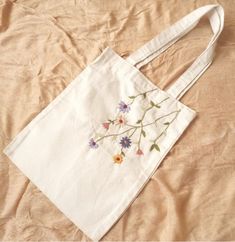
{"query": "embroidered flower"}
{"type": "Point", "coordinates": [106, 125]}
{"type": "Point", "coordinates": [121, 120]}
{"type": "Point", "coordinates": [139, 152]}
{"type": "Point", "coordinates": [118, 159]}
{"type": "Point", "coordinates": [123, 107]}
{"type": "Point", "coordinates": [125, 142]}
{"type": "Point", "coordinates": [93, 144]}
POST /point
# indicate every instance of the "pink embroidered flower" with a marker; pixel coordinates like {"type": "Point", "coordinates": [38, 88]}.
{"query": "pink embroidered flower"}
{"type": "Point", "coordinates": [106, 125]}
{"type": "Point", "coordinates": [121, 120]}
{"type": "Point", "coordinates": [139, 152]}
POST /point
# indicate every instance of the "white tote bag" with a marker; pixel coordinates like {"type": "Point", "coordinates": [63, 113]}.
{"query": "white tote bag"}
{"type": "Point", "coordinates": [94, 147]}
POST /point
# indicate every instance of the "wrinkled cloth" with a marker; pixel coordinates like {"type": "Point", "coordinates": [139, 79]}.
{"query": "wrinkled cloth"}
{"type": "Point", "coordinates": [46, 44]}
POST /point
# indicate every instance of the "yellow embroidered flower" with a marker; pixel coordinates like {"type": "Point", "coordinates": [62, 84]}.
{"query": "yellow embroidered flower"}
{"type": "Point", "coordinates": [118, 159]}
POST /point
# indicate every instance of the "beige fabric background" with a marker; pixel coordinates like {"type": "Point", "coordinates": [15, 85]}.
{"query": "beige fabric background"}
{"type": "Point", "coordinates": [45, 44]}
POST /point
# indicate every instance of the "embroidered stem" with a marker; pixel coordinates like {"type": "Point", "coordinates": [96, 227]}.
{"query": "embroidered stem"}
{"type": "Point", "coordinates": [113, 135]}
{"type": "Point", "coordinates": [133, 133]}
{"type": "Point", "coordinates": [144, 94]}
{"type": "Point", "coordinates": [141, 133]}
{"type": "Point", "coordinates": [167, 126]}
{"type": "Point", "coordinates": [161, 118]}
{"type": "Point", "coordinates": [152, 106]}
{"type": "Point", "coordinates": [135, 127]}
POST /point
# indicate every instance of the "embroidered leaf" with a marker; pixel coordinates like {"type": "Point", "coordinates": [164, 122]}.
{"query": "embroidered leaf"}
{"type": "Point", "coordinates": [167, 123]}
{"type": "Point", "coordinates": [139, 121]}
{"type": "Point", "coordinates": [152, 147]}
{"type": "Point", "coordinates": [156, 147]}
{"type": "Point", "coordinates": [152, 103]}
{"type": "Point", "coordinates": [123, 153]}
{"type": "Point", "coordinates": [132, 97]}
{"type": "Point", "coordinates": [143, 133]}
{"type": "Point", "coordinates": [111, 121]}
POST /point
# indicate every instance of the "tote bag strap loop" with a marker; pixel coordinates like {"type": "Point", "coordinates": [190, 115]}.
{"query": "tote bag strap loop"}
{"type": "Point", "coordinates": [165, 39]}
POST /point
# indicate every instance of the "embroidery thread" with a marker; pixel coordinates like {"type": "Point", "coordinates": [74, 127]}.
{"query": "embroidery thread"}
{"type": "Point", "coordinates": [125, 136]}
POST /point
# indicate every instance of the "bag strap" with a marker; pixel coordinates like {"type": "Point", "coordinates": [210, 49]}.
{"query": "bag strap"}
{"type": "Point", "coordinates": [165, 39]}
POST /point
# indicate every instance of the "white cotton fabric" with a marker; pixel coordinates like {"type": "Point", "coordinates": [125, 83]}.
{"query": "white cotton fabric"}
{"type": "Point", "coordinates": [86, 184]}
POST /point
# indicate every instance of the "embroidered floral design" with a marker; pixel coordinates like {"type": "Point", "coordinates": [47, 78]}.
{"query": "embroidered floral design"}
{"type": "Point", "coordinates": [125, 142]}
{"type": "Point", "coordinates": [123, 107]}
{"type": "Point", "coordinates": [127, 130]}
{"type": "Point", "coordinates": [106, 125]}
{"type": "Point", "coordinates": [118, 159]}
{"type": "Point", "coordinates": [139, 152]}
{"type": "Point", "coordinates": [121, 120]}
{"type": "Point", "coordinates": [93, 144]}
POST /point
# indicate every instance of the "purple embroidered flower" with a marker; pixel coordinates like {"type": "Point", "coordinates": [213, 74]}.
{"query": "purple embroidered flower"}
{"type": "Point", "coordinates": [123, 107]}
{"type": "Point", "coordinates": [93, 144]}
{"type": "Point", "coordinates": [125, 142]}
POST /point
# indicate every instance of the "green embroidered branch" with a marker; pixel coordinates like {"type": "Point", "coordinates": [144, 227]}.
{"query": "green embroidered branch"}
{"type": "Point", "coordinates": [135, 127]}
{"type": "Point", "coordinates": [144, 94]}
{"type": "Point", "coordinates": [151, 107]}
{"type": "Point", "coordinates": [142, 133]}
{"type": "Point", "coordinates": [161, 118]}
{"type": "Point", "coordinates": [155, 145]}
{"type": "Point", "coordinates": [132, 133]}
{"type": "Point", "coordinates": [113, 135]}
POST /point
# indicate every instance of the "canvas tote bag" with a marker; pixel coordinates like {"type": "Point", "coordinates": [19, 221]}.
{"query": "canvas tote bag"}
{"type": "Point", "coordinates": [94, 147]}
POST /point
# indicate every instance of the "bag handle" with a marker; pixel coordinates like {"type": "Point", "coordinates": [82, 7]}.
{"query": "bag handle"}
{"type": "Point", "coordinates": [165, 39]}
